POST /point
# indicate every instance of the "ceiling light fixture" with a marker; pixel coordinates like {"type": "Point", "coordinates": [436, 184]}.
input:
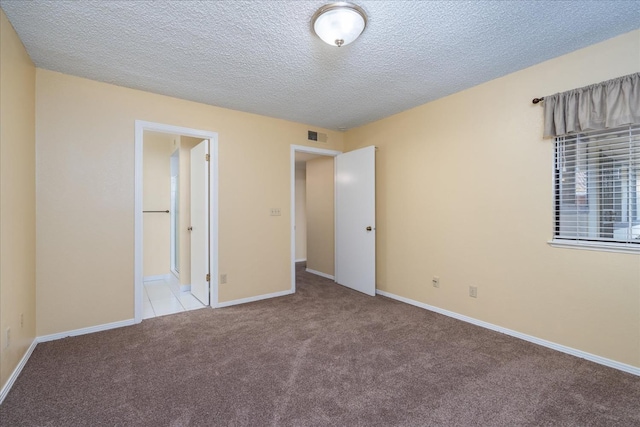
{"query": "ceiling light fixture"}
{"type": "Point", "coordinates": [338, 24]}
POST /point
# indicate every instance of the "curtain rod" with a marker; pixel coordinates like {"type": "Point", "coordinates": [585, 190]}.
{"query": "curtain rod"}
{"type": "Point", "coordinates": [537, 100]}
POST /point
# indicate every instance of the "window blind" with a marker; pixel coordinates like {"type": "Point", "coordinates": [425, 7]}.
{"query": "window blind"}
{"type": "Point", "coordinates": [597, 186]}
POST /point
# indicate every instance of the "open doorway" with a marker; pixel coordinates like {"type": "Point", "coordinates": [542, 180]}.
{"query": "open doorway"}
{"type": "Point", "coordinates": [314, 214]}
{"type": "Point", "coordinates": [313, 181]}
{"type": "Point", "coordinates": [167, 224]}
{"type": "Point", "coordinates": [176, 220]}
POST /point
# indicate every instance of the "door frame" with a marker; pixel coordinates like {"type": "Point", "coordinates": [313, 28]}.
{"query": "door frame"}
{"type": "Point", "coordinates": [302, 149]}
{"type": "Point", "coordinates": [140, 127]}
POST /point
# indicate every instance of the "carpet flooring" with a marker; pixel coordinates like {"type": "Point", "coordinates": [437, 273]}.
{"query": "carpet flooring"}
{"type": "Point", "coordinates": [326, 356]}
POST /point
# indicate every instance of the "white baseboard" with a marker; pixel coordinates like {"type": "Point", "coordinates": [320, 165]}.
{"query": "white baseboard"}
{"type": "Point", "coordinates": [319, 273]}
{"type": "Point", "coordinates": [185, 288]}
{"type": "Point", "coordinates": [549, 344]}
{"type": "Point", "coordinates": [252, 299]}
{"type": "Point", "coordinates": [14, 375]}
{"type": "Point", "coordinates": [156, 277]}
{"type": "Point", "coordinates": [89, 330]}
{"type": "Point", "coordinates": [301, 260]}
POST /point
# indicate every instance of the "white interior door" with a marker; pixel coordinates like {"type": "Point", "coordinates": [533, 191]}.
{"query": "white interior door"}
{"type": "Point", "coordinates": [199, 222]}
{"type": "Point", "coordinates": [356, 220]}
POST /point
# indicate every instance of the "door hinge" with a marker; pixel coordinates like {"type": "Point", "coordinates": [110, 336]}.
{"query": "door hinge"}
{"type": "Point", "coordinates": [207, 157]}
{"type": "Point", "coordinates": [208, 277]}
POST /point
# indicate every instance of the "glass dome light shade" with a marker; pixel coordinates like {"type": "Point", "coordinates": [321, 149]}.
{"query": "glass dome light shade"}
{"type": "Point", "coordinates": [339, 24]}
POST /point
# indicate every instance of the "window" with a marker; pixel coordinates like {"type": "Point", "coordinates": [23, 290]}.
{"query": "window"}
{"type": "Point", "coordinates": [597, 188]}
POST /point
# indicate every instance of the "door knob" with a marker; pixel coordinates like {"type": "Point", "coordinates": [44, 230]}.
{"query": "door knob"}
{"type": "Point", "coordinates": [369, 228]}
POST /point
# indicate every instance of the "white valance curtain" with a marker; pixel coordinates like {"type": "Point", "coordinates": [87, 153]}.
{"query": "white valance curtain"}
{"type": "Point", "coordinates": [604, 105]}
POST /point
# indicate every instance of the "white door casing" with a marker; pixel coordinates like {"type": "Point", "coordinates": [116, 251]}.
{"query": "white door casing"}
{"type": "Point", "coordinates": [200, 278]}
{"type": "Point", "coordinates": [355, 265]}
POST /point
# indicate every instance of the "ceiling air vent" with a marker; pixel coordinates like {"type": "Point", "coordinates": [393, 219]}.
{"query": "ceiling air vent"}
{"type": "Point", "coordinates": [316, 136]}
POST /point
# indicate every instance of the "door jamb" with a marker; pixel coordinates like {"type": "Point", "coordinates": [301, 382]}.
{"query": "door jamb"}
{"type": "Point", "coordinates": [140, 127]}
{"type": "Point", "coordinates": [294, 150]}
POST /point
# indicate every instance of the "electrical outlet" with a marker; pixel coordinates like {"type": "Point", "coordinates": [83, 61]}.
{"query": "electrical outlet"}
{"type": "Point", "coordinates": [275, 212]}
{"type": "Point", "coordinates": [436, 282]}
{"type": "Point", "coordinates": [473, 291]}
{"type": "Point", "coordinates": [21, 320]}
{"type": "Point", "coordinates": [223, 279]}
{"type": "Point", "coordinates": [7, 338]}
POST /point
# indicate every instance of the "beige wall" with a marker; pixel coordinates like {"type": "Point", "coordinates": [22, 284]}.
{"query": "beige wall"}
{"type": "Point", "coordinates": [320, 215]}
{"type": "Point", "coordinates": [464, 192]}
{"type": "Point", "coordinates": [85, 233]}
{"type": "Point", "coordinates": [156, 190]}
{"type": "Point", "coordinates": [17, 200]}
{"type": "Point", "coordinates": [186, 144]}
{"type": "Point", "coordinates": [301, 213]}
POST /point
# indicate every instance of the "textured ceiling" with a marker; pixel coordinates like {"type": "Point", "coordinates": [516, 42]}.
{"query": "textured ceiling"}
{"type": "Point", "coordinates": [261, 56]}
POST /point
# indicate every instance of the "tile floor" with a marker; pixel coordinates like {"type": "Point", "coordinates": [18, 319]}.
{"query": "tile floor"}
{"type": "Point", "coordinates": [163, 296]}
